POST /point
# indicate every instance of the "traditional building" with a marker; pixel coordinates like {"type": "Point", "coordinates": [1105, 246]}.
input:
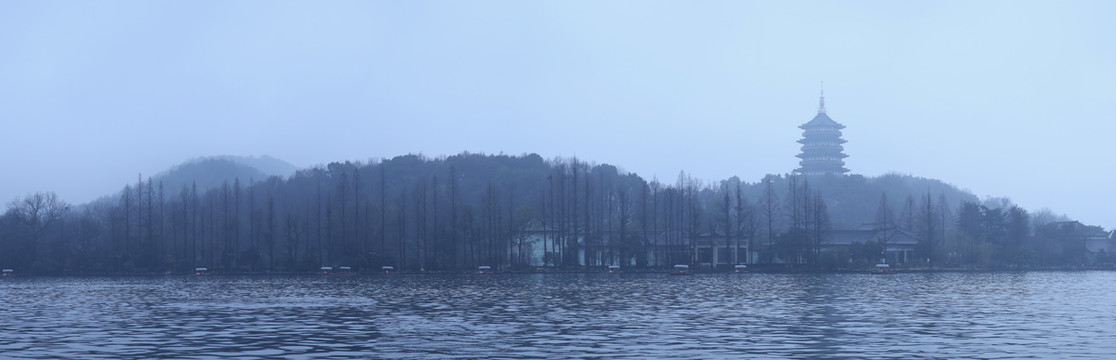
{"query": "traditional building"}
{"type": "Point", "coordinates": [708, 250]}
{"type": "Point", "coordinates": [898, 245]}
{"type": "Point", "coordinates": [822, 153]}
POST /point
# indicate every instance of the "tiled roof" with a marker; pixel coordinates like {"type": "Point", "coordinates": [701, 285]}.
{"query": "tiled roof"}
{"type": "Point", "coordinates": [822, 120]}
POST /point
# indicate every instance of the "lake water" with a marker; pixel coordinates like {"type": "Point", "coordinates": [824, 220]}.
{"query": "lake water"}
{"type": "Point", "coordinates": [927, 315]}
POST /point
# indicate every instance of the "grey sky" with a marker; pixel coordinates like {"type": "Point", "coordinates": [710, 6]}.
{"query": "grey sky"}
{"type": "Point", "coordinates": [1007, 98]}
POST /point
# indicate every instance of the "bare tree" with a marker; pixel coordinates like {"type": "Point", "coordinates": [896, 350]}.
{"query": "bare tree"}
{"type": "Point", "coordinates": [195, 203]}
{"type": "Point", "coordinates": [236, 223]}
{"type": "Point", "coordinates": [770, 211]}
{"type": "Point", "coordinates": [184, 197]}
{"type": "Point", "coordinates": [151, 250]}
{"type": "Point", "coordinates": [127, 207]}
{"type": "Point", "coordinates": [624, 205]}
{"type": "Point", "coordinates": [644, 199]}
{"type": "Point", "coordinates": [402, 262]}
{"type": "Point", "coordinates": [724, 208]}
{"type": "Point", "coordinates": [908, 214]}
{"type": "Point", "coordinates": [929, 219]}
{"type": "Point", "coordinates": [656, 193]}
{"type": "Point", "coordinates": [270, 233]}
{"type": "Point", "coordinates": [38, 211]}
{"type": "Point", "coordinates": [453, 214]}
{"type": "Point", "coordinates": [383, 212]}
{"type": "Point", "coordinates": [943, 214]}
{"type": "Point", "coordinates": [821, 224]}
{"type": "Point", "coordinates": [163, 252]}
{"type": "Point", "coordinates": [745, 223]}
{"type": "Point", "coordinates": [885, 224]}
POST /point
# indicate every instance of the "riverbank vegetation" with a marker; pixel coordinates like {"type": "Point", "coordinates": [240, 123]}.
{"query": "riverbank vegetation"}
{"type": "Point", "coordinates": [458, 212]}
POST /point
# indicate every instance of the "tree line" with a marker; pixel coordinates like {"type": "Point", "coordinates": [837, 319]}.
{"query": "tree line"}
{"type": "Point", "coordinates": [461, 211]}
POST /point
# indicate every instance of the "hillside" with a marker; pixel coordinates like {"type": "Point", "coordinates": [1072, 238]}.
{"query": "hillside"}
{"type": "Point", "coordinates": [207, 173]}
{"type": "Point", "coordinates": [853, 199]}
{"type": "Point", "coordinates": [454, 212]}
{"type": "Point", "coordinates": [212, 172]}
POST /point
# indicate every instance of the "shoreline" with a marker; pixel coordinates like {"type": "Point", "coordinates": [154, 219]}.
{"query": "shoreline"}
{"type": "Point", "coordinates": [664, 271]}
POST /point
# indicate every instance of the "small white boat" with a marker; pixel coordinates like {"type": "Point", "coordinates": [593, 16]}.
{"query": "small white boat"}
{"type": "Point", "coordinates": [201, 271]}
{"type": "Point", "coordinates": [681, 269]}
{"type": "Point", "coordinates": [9, 272]}
{"type": "Point", "coordinates": [612, 269]}
{"type": "Point", "coordinates": [883, 269]}
{"type": "Point", "coordinates": [484, 269]}
{"type": "Point", "coordinates": [326, 270]}
{"type": "Point", "coordinates": [740, 268]}
{"type": "Point", "coordinates": [388, 269]}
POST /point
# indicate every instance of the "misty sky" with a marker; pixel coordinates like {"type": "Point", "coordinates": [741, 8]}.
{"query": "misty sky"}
{"type": "Point", "coordinates": [1003, 98]}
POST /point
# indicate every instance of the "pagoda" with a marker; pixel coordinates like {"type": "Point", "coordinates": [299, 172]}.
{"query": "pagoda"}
{"type": "Point", "coordinates": [822, 153]}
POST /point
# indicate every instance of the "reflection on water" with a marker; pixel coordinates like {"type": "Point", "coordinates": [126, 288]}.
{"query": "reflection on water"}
{"type": "Point", "coordinates": [936, 315]}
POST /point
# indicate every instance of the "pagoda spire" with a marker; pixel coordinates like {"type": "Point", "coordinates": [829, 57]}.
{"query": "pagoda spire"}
{"type": "Point", "coordinates": [821, 99]}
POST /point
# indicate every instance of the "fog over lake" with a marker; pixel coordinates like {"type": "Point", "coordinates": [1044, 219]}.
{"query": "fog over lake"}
{"type": "Point", "coordinates": [515, 179]}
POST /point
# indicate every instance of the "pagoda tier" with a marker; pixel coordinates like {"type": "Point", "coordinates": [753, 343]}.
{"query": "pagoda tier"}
{"type": "Point", "coordinates": [822, 153]}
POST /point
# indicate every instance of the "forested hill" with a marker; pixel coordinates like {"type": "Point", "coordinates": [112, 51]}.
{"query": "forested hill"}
{"type": "Point", "coordinates": [854, 199]}
{"type": "Point", "coordinates": [212, 172]}
{"type": "Point", "coordinates": [528, 180]}
{"type": "Point", "coordinates": [435, 213]}
{"type": "Point", "coordinates": [207, 173]}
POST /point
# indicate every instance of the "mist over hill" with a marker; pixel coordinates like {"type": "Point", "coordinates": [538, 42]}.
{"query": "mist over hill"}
{"type": "Point", "coordinates": [212, 172]}
{"type": "Point", "coordinates": [266, 164]}
{"type": "Point", "coordinates": [852, 200]}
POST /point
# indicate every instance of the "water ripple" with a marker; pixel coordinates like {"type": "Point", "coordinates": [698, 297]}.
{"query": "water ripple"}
{"type": "Point", "coordinates": [586, 316]}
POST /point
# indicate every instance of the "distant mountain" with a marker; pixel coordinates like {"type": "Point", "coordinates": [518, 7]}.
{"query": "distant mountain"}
{"type": "Point", "coordinates": [265, 164]}
{"type": "Point", "coordinates": [212, 172]}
